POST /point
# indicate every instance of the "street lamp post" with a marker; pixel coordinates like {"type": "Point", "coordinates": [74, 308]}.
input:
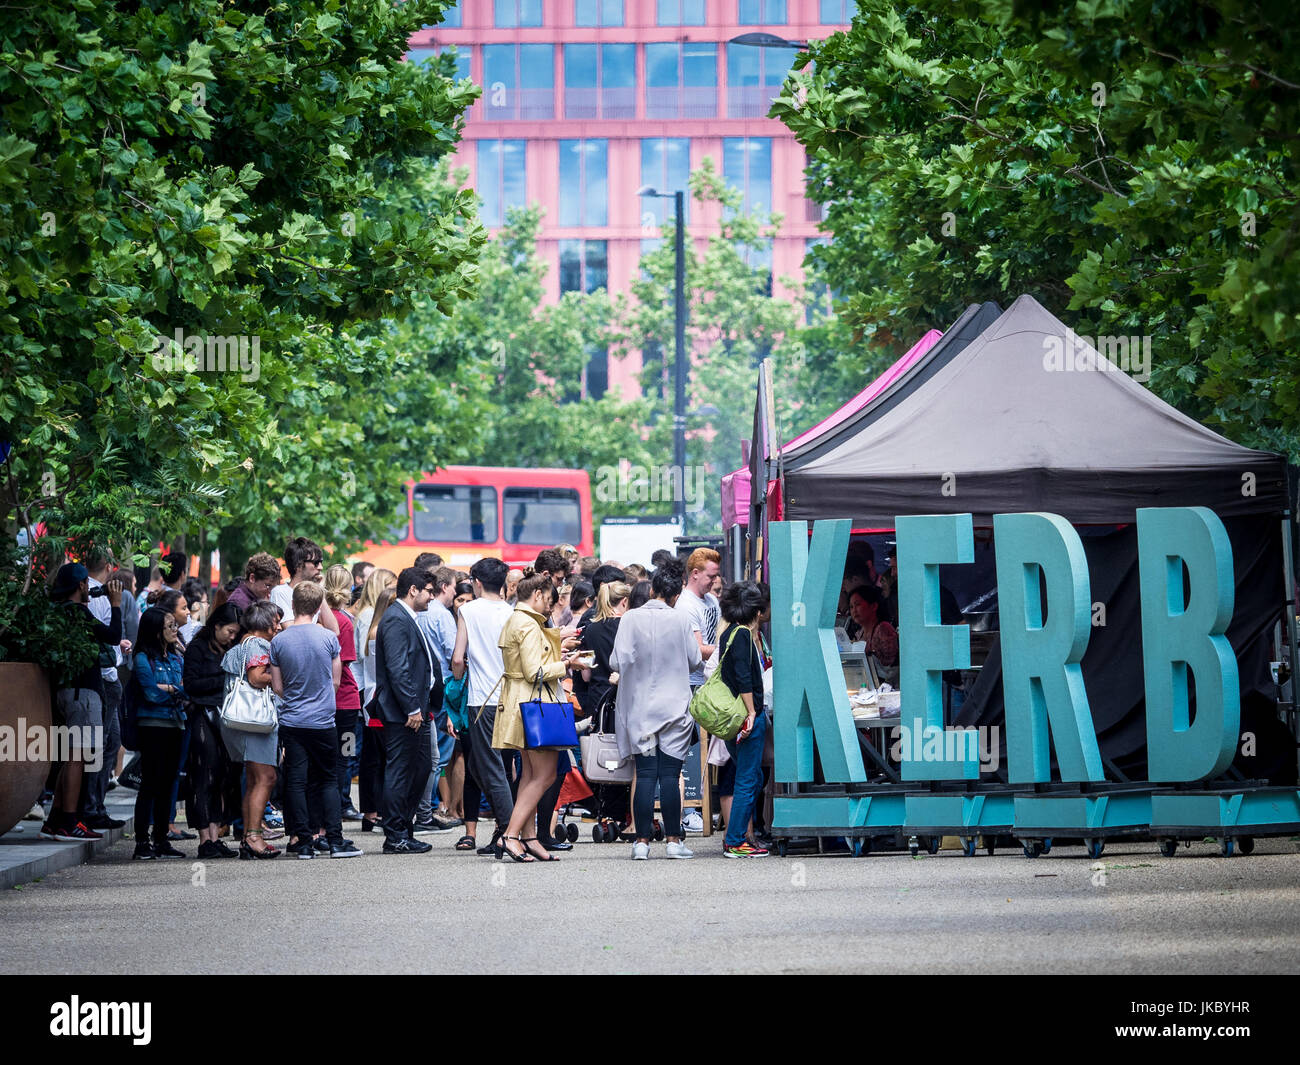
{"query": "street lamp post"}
{"type": "Point", "coordinates": [679, 328]}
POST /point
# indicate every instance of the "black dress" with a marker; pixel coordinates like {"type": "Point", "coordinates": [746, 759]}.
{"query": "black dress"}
{"type": "Point", "coordinates": [215, 785]}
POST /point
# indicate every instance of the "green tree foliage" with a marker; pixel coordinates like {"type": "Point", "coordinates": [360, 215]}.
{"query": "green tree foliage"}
{"type": "Point", "coordinates": [1133, 162]}
{"type": "Point", "coordinates": [225, 169]}
{"type": "Point", "coordinates": [734, 322]}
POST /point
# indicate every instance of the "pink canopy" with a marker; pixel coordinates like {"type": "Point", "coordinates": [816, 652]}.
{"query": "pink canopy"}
{"type": "Point", "coordinates": [736, 485]}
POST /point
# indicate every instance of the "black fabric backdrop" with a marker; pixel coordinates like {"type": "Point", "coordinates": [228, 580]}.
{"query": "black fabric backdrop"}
{"type": "Point", "coordinates": [1112, 665]}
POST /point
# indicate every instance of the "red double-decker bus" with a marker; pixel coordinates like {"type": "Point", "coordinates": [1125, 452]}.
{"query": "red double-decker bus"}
{"type": "Point", "coordinates": [465, 513]}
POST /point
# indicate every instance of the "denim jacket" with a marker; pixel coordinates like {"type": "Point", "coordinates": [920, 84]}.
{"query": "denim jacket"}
{"type": "Point", "coordinates": [159, 707]}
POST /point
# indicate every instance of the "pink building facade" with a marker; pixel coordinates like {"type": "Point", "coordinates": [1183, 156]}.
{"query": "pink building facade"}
{"type": "Point", "coordinates": [585, 101]}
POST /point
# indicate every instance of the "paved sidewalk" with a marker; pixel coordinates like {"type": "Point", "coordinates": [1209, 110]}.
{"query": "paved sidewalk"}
{"type": "Point", "coordinates": [25, 856]}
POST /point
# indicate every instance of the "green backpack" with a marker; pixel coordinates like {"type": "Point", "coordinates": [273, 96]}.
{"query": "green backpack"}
{"type": "Point", "coordinates": [714, 707]}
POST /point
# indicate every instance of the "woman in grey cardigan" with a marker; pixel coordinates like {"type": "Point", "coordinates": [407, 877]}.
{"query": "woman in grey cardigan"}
{"type": "Point", "coordinates": [654, 653]}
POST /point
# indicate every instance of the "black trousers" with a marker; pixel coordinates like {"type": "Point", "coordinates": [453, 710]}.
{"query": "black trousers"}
{"type": "Point", "coordinates": [373, 758]}
{"type": "Point", "coordinates": [311, 790]}
{"type": "Point", "coordinates": [409, 761]}
{"type": "Point", "coordinates": [160, 758]}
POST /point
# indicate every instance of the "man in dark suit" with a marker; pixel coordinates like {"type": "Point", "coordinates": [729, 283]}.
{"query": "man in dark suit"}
{"type": "Point", "coordinates": [406, 675]}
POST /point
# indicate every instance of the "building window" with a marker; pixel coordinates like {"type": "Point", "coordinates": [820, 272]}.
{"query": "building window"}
{"type": "Point", "coordinates": [451, 18]}
{"type": "Point", "coordinates": [821, 301]}
{"type": "Point", "coordinates": [598, 12]}
{"type": "Point", "coordinates": [584, 265]}
{"type": "Point", "coordinates": [426, 56]}
{"type": "Point", "coordinates": [835, 12]}
{"type": "Point", "coordinates": [654, 373]}
{"type": "Point", "coordinates": [666, 167]}
{"type": "Point", "coordinates": [762, 12]}
{"type": "Point", "coordinates": [512, 13]}
{"type": "Point", "coordinates": [501, 182]}
{"type": "Point", "coordinates": [595, 375]}
{"type": "Point", "coordinates": [680, 12]}
{"type": "Point", "coordinates": [747, 166]}
{"type": "Point", "coordinates": [518, 81]}
{"type": "Point", "coordinates": [584, 183]}
{"type": "Point", "coordinates": [681, 80]}
{"type": "Point", "coordinates": [754, 79]}
{"type": "Point", "coordinates": [600, 81]}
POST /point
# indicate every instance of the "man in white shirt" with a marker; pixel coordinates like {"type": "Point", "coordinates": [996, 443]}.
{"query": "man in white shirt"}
{"type": "Point", "coordinates": [701, 605]}
{"type": "Point", "coordinates": [478, 650]}
{"type": "Point", "coordinates": [303, 559]}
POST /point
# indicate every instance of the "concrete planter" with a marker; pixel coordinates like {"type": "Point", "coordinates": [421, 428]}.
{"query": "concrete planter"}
{"type": "Point", "coordinates": [24, 704]}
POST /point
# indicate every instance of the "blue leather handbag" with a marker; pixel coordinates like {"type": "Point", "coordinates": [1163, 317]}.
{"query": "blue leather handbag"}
{"type": "Point", "coordinates": [548, 724]}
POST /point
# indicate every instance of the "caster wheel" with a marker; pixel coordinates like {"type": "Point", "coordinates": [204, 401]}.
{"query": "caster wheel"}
{"type": "Point", "coordinates": [1032, 847]}
{"type": "Point", "coordinates": [1168, 847]}
{"type": "Point", "coordinates": [597, 833]}
{"type": "Point", "coordinates": [968, 846]}
{"type": "Point", "coordinates": [571, 831]}
{"type": "Point", "coordinates": [1047, 845]}
{"type": "Point", "coordinates": [1225, 848]}
{"type": "Point", "coordinates": [914, 846]}
{"type": "Point", "coordinates": [855, 847]}
{"type": "Point", "coordinates": [1246, 844]}
{"type": "Point", "coordinates": [782, 848]}
{"type": "Point", "coordinates": [659, 832]}
{"type": "Point", "coordinates": [932, 844]}
{"type": "Point", "coordinates": [1095, 847]}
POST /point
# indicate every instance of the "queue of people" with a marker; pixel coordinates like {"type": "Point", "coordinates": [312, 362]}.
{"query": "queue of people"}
{"type": "Point", "coordinates": [414, 685]}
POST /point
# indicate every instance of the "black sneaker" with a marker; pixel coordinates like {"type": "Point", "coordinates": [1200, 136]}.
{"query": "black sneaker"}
{"type": "Point", "coordinates": [226, 851]}
{"type": "Point", "coordinates": [351, 814]}
{"type": "Point", "coordinates": [426, 825]}
{"type": "Point", "coordinates": [143, 853]}
{"type": "Point", "coordinates": [321, 844]}
{"type": "Point", "coordinates": [345, 849]}
{"type": "Point", "coordinates": [407, 846]}
{"type": "Point", "coordinates": [166, 850]}
{"type": "Point", "coordinates": [102, 822]}
{"type": "Point", "coordinates": [302, 850]}
{"type": "Point", "coordinates": [77, 832]}
{"type": "Point", "coordinates": [209, 849]}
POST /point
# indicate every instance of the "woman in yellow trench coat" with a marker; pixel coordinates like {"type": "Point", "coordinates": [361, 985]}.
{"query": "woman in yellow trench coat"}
{"type": "Point", "coordinates": [533, 659]}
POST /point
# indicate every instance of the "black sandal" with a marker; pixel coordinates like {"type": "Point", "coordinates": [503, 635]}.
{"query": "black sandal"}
{"type": "Point", "coordinates": [467, 843]}
{"type": "Point", "coordinates": [537, 857]}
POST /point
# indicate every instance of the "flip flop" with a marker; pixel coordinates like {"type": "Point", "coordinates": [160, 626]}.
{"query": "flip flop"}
{"type": "Point", "coordinates": [467, 843]}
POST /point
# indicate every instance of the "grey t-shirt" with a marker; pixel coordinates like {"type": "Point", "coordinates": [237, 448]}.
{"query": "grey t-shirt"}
{"type": "Point", "coordinates": [304, 655]}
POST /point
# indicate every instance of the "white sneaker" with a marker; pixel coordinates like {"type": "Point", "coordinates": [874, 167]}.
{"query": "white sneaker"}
{"type": "Point", "coordinates": [36, 813]}
{"type": "Point", "coordinates": [693, 822]}
{"type": "Point", "coordinates": [640, 852]}
{"type": "Point", "coordinates": [680, 850]}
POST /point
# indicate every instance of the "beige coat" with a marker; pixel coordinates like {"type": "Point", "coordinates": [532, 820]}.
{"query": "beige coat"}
{"type": "Point", "coordinates": [530, 653]}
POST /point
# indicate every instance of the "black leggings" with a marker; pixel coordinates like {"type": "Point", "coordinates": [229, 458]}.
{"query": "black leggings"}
{"type": "Point", "coordinates": [652, 769]}
{"type": "Point", "coordinates": [160, 760]}
{"type": "Point", "coordinates": [209, 769]}
{"type": "Point", "coordinates": [546, 804]}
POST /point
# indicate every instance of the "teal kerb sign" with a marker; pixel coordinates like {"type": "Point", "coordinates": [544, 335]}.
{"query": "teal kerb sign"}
{"type": "Point", "coordinates": [1186, 580]}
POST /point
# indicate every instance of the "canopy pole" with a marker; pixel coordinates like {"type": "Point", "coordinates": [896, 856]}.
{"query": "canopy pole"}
{"type": "Point", "coordinates": [1288, 600]}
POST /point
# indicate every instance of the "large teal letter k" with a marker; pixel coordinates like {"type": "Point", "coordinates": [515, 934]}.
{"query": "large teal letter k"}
{"type": "Point", "coordinates": [808, 697]}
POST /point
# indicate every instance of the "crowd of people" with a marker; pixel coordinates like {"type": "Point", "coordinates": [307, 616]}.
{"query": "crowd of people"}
{"type": "Point", "coordinates": [410, 685]}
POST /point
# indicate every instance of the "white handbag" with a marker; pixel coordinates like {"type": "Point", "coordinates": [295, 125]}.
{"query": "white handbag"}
{"type": "Point", "coordinates": [248, 709]}
{"type": "Point", "coordinates": [601, 763]}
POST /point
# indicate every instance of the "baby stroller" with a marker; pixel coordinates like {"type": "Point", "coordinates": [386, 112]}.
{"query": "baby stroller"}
{"type": "Point", "coordinates": [610, 781]}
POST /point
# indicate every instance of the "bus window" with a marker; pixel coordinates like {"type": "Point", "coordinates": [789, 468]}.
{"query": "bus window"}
{"type": "Point", "coordinates": [542, 516]}
{"type": "Point", "coordinates": [455, 514]}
